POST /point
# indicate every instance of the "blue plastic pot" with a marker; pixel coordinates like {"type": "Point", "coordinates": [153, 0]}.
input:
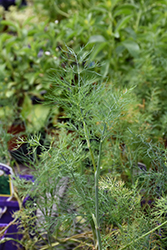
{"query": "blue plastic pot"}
{"type": "Point", "coordinates": [7, 3]}
{"type": "Point", "coordinates": [3, 245]}
{"type": "Point", "coordinates": [11, 207]}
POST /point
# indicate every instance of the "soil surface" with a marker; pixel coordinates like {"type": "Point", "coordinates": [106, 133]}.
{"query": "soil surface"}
{"type": "Point", "coordinates": [22, 169]}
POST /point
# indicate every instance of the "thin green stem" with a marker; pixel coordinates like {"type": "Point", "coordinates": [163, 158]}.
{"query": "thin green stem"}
{"type": "Point", "coordinates": [61, 12]}
{"type": "Point", "coordinates": [12, 222]}
{"type": "Point", "coordinates": [96, 219]}
{"type": "Point", "coordinates": [97, 174]}
{"type": "Point", "coordinates": [89, 146]}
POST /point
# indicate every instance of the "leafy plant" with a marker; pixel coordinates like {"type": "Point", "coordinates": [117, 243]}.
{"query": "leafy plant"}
{"type": "Point", "coordinates": [90, 117]}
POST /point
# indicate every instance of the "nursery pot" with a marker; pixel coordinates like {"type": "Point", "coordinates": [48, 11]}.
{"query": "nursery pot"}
{"type": "Point", "coordinates": [8, 245]}
{"type": "Point", "coordinates": [2, 236]}
{"type": "Point", "coordinates": [8, 207]}
{"type": "Point", "coordinates": [13, 230]}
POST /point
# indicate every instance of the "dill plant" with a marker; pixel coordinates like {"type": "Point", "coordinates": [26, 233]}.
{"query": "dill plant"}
{"type": "Point", "coordinates": [91, 108]}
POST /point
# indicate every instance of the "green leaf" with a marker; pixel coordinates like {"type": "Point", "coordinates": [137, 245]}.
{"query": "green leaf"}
{"type": "Point", "coordinates": [2, 68]}
{"type": "Point", "coordinates": [105, 68]}
{"type": "Point", "coordinates": [3, 38]}
{"type": "Point", "coordinates": [119, 50]}
{"type": "Point", "coordinates": [99, 8]}
{"type": "Point", "coordinates": [38, 116]}
{"type": "Point", "coordinates": [9, 93]}
{"type": "Point", "coordinates": [27, 21]}
{"type": "Point", "coordinates": [6, 112]}
{"type": "Point", "coordinates": [97, 49]}
{"type": "Point", "coordinates": [30, 77]}
{"type": "Point", "coordinates": [97, 39]}
{"type": "Point", "coordinates": [27, 107]}
{"type": "Point", "coordinates": [131, 32]}
{"type": "Point", "coordinates": [126, 9]}
{"type": "Point", "coordinates": [132, 47]}
{"type": "Point", "coordinates": [35, 115]}
{"type": "Point", "coordinates": [121, 24]}
{"type": "Point", "coordinates": [10, 43]}
{"type": "Point", "coordinates": [12, 24]}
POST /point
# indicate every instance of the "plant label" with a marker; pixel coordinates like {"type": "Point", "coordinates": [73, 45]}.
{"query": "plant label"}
{"type": "Point", "coordinates": [6, 185]}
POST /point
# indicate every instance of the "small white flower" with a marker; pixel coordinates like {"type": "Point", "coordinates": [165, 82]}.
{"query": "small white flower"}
{"type": "Point", "coordinates": [55, 58]}
{"type": "Point", "coordinates": [47, 53]}
{"type": "Point", "coordinates": [56, 21]}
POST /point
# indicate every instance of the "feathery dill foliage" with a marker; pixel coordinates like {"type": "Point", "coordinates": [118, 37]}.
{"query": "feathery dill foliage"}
{"type": "Point", "coordinates": [77, 206]}
{"type": "Point", "coordinates": [91, 110]}
{"type": "Point", "coordinates": [79, 91]}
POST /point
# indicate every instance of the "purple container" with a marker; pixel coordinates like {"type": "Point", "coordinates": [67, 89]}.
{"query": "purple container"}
{"type": "Point", "coordinates": [12, 206]}
{"type": "Point", "coordinates": [27, 177]}
{"type": "Point", "coordinates": [3, 225]}
{"type": "Point", "coordinates": [10, 245]}
{"type": "Point", "coordinates": [2, 246]}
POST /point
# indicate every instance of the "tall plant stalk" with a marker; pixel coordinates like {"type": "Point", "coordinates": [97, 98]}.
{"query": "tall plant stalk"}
{"type": "Point", "coordinates": [97, 174]}
{"type": "Point", "coordinates": [96, 178]}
